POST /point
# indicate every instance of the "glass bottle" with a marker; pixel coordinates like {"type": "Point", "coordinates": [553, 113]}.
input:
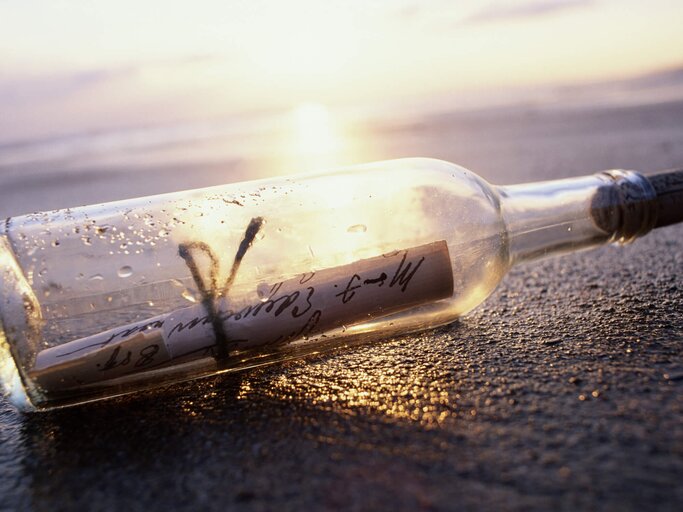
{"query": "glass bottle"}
{"type": "Point", "coordinates": [103, 300]}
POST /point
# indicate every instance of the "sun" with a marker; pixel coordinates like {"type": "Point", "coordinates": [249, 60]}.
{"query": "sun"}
{"type": "Point", "coordinates": [315, 132]}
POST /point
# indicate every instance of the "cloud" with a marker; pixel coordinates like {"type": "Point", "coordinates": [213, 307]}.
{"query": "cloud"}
{"type": "Point", "coordinates": [522, 10]}
{"type": "Point", "coordinates": [23, 89]}
{"type": "Point", "coordinates": [664, 78]}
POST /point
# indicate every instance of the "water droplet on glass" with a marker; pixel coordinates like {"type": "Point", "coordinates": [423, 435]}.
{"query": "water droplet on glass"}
{"type": "Point", "coordinates": [125, 271]}
{"type": "Point", "coordinates": [187, 295]}
{"type": "Point", "coordinates": [262, 291]}
{"type": "Point", "coordinates": [96, 277]}
{"type": "Point", "coordinates": [55, 243]}
{"type": "Point", "coordinates": [357, 228]}
{"type": "Point", "coordinates": [86, 240]}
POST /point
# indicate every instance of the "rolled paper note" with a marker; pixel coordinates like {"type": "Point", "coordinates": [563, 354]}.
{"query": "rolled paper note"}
{"type": "Point", "coordinates": [305, 306]}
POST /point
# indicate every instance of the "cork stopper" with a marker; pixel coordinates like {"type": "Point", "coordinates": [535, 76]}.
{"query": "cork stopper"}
{"type": "Point", "coordinates": [668, 186]}
{"type": "Point", "coordinates": [625, 206]}
{"type": "Point", "coordinates": [630, 204]}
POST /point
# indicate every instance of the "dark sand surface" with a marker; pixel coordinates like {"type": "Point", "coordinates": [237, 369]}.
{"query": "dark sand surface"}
{"type": "Point", "coordinates": [564, 390]}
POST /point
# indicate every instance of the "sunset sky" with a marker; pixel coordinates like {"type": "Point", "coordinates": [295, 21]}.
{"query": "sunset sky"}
{"type": "Point", "coordinates": [69, 66]}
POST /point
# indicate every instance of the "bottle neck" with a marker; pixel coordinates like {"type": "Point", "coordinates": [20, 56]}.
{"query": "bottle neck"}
{"type": "Point", "coordinates": [560, 216]}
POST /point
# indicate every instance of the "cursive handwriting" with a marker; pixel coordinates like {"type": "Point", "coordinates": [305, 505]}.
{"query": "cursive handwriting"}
{"type": "Point", "coordinates": [402, 277]}
{"type": "Point", "coordinates": [299, 303]}
{"type": "Point", "coordinates": [403, 274]}
{"type": "Point", "coordinates": [145, 358]}
{"type": "Point", "coordinates": [125, 333]}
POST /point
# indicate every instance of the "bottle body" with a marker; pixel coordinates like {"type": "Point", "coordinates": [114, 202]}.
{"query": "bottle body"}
{"type": "Point", "coordinates": [103, 300]}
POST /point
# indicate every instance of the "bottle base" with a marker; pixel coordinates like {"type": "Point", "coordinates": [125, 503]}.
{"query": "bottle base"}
{"type": "Point", "coordinates": [10, 382]}
{"type": "Point", "coordinates": [19, 317]}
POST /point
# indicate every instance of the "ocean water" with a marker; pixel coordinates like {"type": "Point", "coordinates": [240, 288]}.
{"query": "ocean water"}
{"type": "Point", "coordinates": [504, 145]}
